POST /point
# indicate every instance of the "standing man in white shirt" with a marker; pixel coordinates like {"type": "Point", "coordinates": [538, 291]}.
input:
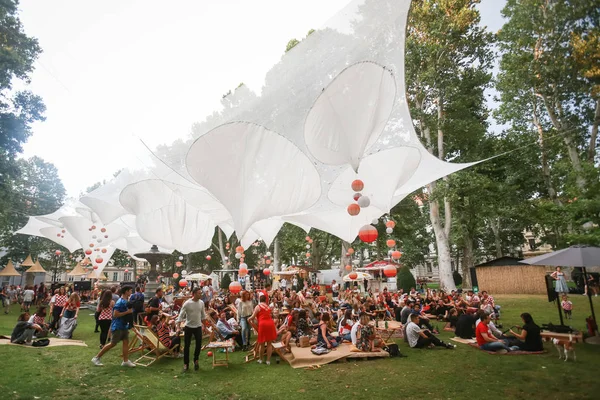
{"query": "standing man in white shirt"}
{"type": "Point", "coordinates": [295, 283]}
{"type": "Point", "coordinates": [28, 296]}
{"type": "Point", "coordinates": [193, 313]}
{"type": "Point", "coordinates": [283, 284]}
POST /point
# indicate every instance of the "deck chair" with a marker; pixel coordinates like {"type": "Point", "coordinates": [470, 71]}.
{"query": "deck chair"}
{"type": "Point", "coordinates": [153, 350]}
{"type": "Point", "coordinates": [214, 335]}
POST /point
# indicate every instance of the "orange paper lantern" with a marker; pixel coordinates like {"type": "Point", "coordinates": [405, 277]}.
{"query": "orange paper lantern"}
{"type": "Point", "coordinates": [266, 272]}
{"type": "Point", "coordinates": [182, 283]}
{"type": "Point", "coordinates": [368, 234]}
{"type": "Point", "coordinates": [307, 255]}
{"type": "Point", "coordinates": [235, 287]}
{"type": "Point", "coordinates": [243, 271]}
{"type": "Point", "coordinates": [353, 209]}
{"type": "Point", "coordinates": [396, 255]}
{"type": "Point", "coordinates": [208, 258]}
{"type": "Point", "coordinates": [390, 224]}
{"type": "Point", "coordinates": [307, 238]}
{"type": "Point", "coordinates": [357, 185]}
{"type": "Point", "coordinates": [104, 250]}
{"type": "Point", "coordinates": [57, 252]}
{"type": "Point", "coordinates": [350, 250]}
{"type": "Point", "coordinates": [353, 275]}
{"type": "Point", "coordinates": [175, 275]}
{"type": "Point", "coordinates": [267, 262]}
{"type": "Point", "coordinates": [389, 271]}
{"type": "Point", "coordinates": [239, 249]}
{"type": "Point", "coordinates": [178, 264]}
{"type": "Point", "coordinates": [390, 243]}
{"type": "Point", "coordinates": [348, 267]}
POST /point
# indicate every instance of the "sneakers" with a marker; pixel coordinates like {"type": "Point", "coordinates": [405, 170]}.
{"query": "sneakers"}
{"type": "Point", "coordinates": [259, 361]}
{"type": "Point", "coordinates": [96, 361]}
{"type": "Point", "coordinates": [502, 351]}
{"type": "Point", "coordinates": [450, 346]}
{"type": "Point", "coordinates": [268, 363]}
{"type": "Point", "coordinates": [514, 348]}
{"type": "Point", "coordinates": [127, 363]}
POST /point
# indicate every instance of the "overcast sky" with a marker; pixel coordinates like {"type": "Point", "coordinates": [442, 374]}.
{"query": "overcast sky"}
{"type": "Point", "coordinates": [113, 69]}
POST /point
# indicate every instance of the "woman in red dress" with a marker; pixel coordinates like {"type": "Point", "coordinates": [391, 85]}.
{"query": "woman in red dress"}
{"type": "Point", "coordinates": [266, 328]}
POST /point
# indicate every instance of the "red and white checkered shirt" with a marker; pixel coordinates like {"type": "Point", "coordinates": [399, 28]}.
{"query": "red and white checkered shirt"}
{"type": "Point", "coordinates": [567, 305]}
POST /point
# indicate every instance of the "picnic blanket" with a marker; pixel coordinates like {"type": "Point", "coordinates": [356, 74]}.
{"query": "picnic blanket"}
{"type": "Point", "coordinates": [302, 357]}
{"type": "Point", "coordinates": [463, 341]}
{"type": "Point", "coordinates": [54, 342]}
{"type": "Point", "coordinates": [514, 353]}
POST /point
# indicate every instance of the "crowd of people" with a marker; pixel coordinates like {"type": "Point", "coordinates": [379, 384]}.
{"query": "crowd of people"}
{"type": "Point", "coordinates": [288, 314]}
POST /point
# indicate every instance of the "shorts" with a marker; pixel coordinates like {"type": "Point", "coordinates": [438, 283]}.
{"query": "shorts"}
{"type": "Point", "coordinates": [118, 335]}
{"type": "Point", "coordinates": [27, 304]}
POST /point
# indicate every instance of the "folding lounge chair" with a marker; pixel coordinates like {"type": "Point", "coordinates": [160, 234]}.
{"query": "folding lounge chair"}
{"type": "Point", "coordinates": [152, 349]}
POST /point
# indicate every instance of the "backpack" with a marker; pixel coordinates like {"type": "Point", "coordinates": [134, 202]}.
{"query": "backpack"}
{"type": "Point", "coordinates": [393, 349]}
{"type": "Point", "coordinates": [138, 303]}
{"type": "Point", "coordinates": [41, 343]}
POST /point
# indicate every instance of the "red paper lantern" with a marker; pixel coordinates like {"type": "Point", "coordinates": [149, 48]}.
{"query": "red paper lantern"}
{"type": "Point", "coordinates": [91, 244]}
{"type": "Point", "coordinates": [310, 241]}
{"type": "Point", "coordinates": [353, 209]}
{"type": "Point", "coordinates": [368, 234]}
{"type": "Point", "coordinates": [357, 185]}
{"type": "Point", "coordinates": [88, 252]}
{"type": "Point", "coordinates": [58, 235]}
{"type": "Point", "coordinates": [266, 272]}
{"type": "Point", "coordinates": [239, 249]}
{"type": "Point", "coordinates": [235, 287]}
{"type": "Point", "coordinates": [389, 271]}
{"type": "Point", "coordinates": [126, 270]}
{"type": "Point", "coordinates": [93, 227]}
{"type": "Point", "coordinates": [58, 252]}
{"type": "Point", "coordinates": [175, 275]}
{"type": "Point", "coordinates": [307, 255]}
{"type": "Point", "coordinates": [348, 267]}
{"type": "Point", "coordinates": [99, 260]}
{"type": "Point", "coordinates": [243, 271]}
{"type": "Point", "coordinates": [350, 250]}
{"type": "Point", "coordinates": [103, 230]}
{"type": "Point", "coordinates": [208, 258]}
{"type": "Point", "coordinates": [104, 250]}
{"type": "Point", "coordinates": [307, 238]}
{"type": "Point", "coordinates": [182, 283]}
{"type": "Point", "coordinates": [178, 264]}
{"type": "Point", "coordinates": [390, 224]}
{"type": "Point", "coordinates": [353, 275]}
{"type": "Point", "coordinates": [396, 255]}
{"type": "Point", "coordinates": [95, 267]}
{"type": "Point", "coordinates": [390, 243]}
{"type": "Point", "coordinates": [268, 262]}
{"type": "Point", "coordinates": [356, 196]}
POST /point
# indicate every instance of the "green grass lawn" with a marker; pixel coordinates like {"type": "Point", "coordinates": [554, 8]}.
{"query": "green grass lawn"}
{"type": "Point", "coordinates": [67, 373]}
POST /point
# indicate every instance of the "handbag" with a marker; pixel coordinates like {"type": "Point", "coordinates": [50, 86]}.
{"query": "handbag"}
{"type": "Point", "coordinates": [41, 343]}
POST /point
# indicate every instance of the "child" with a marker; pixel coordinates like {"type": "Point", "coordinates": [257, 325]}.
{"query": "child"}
{"type": "Point", "coordinates": [567, 306]}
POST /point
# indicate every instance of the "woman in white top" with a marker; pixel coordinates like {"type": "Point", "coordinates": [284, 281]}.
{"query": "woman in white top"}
{"type": "Point", "coordinates": [245, 308]}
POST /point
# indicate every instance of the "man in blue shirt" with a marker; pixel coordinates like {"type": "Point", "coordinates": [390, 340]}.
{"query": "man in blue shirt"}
{"type": "Point", "coordinates": [119, 328]}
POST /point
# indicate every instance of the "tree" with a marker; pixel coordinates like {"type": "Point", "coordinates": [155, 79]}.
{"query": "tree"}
{"type": "Point", "coordinates": [448, 59]}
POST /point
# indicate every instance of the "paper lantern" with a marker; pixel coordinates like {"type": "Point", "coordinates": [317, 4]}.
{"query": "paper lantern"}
{"type": "Point", "coordinates": [235, 287]}
{"type": "Point", "coordinates": [239, 249]}
{"type": "Point", "coordinates": [389, 231]}
{"type": "Point", "coordinates": [389, 271]}
{"type": "Point", "coordinates": [105, 236]}
{"type": "Point", "coordinates": [390, 243]}
{"type": "Point", "coordinates": [368, 234]}
{"type": "Point", "coordinates": [310, 241]}
{"type": "Point", "coordinates": [266, 272]}
{"type": "Point", "coordinates": [93, 227]}
{"type": "Point", "coordinates": [103, 230]}
{"type": "Point", "coordinates": [348, 267]}
{"type": "Point", "coordinates": [227, 245]}
{"type": "Point", "coordinates": [175, 275]}
{"type": "Point", "coordinates": [88, 252]}
{"type": "Point", "coordinates": [390, 224]}
{"type": "Point", "coordinates": [353, 275]}
{"type": "Point", "coordinates": [104, 250]}
{"type": "Point", "coordinates": [208, 258]}
{"type": "Point", "coordinates": [268, 254]}
{"type": "Point", "coordinates": [180, 258]}
{"type": "Point", "coordinates": [126, 270]}
{"type": "Point", "coordinates": [184, 272]}
{"type": "Point", "coordinates": [350, 250]}
{"type": "Point", "coordinates": [396, 255]}
{"type": "Point", "coordinates": [58, 252]}
{"type": "Point", "coordinates": [58, 235]}
{"type": "Point", "coordinates": [178, 264]}
{"type": "Point", "coordinates": [353, 209]}
{"type": "Point", "coordinates": [357, 185]}
{"type": "Point", "coordinates": [182, 283]}
{"type": "Point", "coordinates": [307, 255]}
{"type": "Point", "coordinates": [307, 238]}
{"type": "Point", "coordinates": [364, 201]}
{"type": "Point", "coordinates": [308, 246]}
{"type": "Point", "coordinates": [95, 267]}
{"type": "Point", "coordinates": [375, 221]}
{"type": "Point", "coordinates": [268, 262]}
{"type": "Point", "coordinates": [238, 255]}
{"type": "Point", "coordinates": [91, 244]}
{"type": "Point", "coordinates": [243, 271]}
{"type": "Point", "coordinates": [99, 260]}
{"type": "Point", "coordinates": [356, 196]}
{"type": "Point", "coordinates": [63, 231]}
{"type": "Point", "coordinates": [94, 237]}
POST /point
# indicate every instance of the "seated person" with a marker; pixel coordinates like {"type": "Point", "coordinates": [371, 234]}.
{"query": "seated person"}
{"type": "Point", "coordinates": [452, 318]}
{"type": "Point", "coordinates": [39, 318]}
{"type": "Point", "coordinates": [423, 321]}
{"type": "Point", "coordinates": [486, 340]}
{"type": "Point", "coordinates": [24, 330]}
{"type": "Point", "coordinates": [227, 331]}
{"type": "Point", "coordinates": [161, 326]}
{"type": "Point", "coordinates": [345, 326]}
{"type": "Point", "coordinates": [465, 326]}
{"type": "Point", "coordinates": [324, 338]}
{"type": "Point", "coordinates": [419, 338]}
{"type": "Point", "coordinates": [529, 339]}
{"type": "Point", "coordinates": [367, 339]}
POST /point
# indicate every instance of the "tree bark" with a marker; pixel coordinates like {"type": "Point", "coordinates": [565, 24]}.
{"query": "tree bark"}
{"type": "Point", "coordinates": [544, 158]}
{"type": "Point", "coordinates": [221, 248]}
{"type": "Point", "coordinates": [495, 226]}
{"type": "Point", "coordinates": [467, 262]}
{"type": "Point", "coordinates": [594, 135]}
{"type": "Point", "coordinates": [344, 260]}
{"type": "Point", "coordinates": [276, 251]}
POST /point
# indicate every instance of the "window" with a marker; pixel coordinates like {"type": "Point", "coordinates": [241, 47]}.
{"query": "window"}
{"type": "Point", "coordinates": [127, 276]}
{"type": "Point", "coordinates": [452, 266]}
{"type": "Point", "coordinates": [115, 276]}
{"type": "Point", "coordinates": [532, 245]}
{"type": "Point", "coordinates": [429, 267]}
{"type": "Point", "coordinates": [70, 278]}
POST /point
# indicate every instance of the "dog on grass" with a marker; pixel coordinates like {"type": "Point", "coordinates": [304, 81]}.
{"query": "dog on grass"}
{"type": "Point", "coordinates": [564, 346]}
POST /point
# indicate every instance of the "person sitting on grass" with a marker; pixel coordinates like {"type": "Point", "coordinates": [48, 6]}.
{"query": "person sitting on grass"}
{"type": "Point", "coordinates": [119, 329]}
{"type": "Point", "coordinates": [39, 318]}
{"type": "Point", "coordinates": [24, 330]}
{"type": "Point", "coordinates": [486, 340]}
{"type": "Point", "coordinates": [529, 339]}
{"type": "Point", "coordinates": [419, 338]}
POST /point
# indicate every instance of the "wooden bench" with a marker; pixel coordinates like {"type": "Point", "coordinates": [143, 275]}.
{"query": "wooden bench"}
{"type": "Point", "coordinates": [571, 337]}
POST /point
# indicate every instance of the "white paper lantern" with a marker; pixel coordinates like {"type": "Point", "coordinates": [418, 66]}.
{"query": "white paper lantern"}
{"type": "Point", "coordinates": [180, 258]}
{"type": "Point", "coordinates": [308, 246]}
{"type": "Point", "coordinates": [268, 254]}
{"type": "Point", "coordinates": [389, 231]}
{"type": "Point", "coordinates": [364, 201]}
{"type": "Point", "coordinates": [238, 255]}
{"type": "Point", "coordinates": [244, 265]}
{"type": "Point", "coordinates": [184, 272]}
{"type": "Point", "coordinates": [375, 221]}
{"type": "Point", "coordinates": [226, 258]}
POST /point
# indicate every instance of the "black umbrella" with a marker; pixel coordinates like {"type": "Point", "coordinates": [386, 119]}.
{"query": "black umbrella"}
{"type": "Point", "coordinates": [574, 256]}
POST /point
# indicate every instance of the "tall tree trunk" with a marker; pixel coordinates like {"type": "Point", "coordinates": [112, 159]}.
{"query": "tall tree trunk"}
{"type": "Point", "coordinates": [344, 259]}
{"type": "Point", "coordinates": [222, 248]}
{"type": "Point", "coordinates": [495, 226]}
{"type": "Point", "coordinates": [467, 262]}
{"type": "Point", "coordinates": [594, 135]}
{"type": "Point", "coordinates": [544, 157]}
{"type": "Point", "coordinates": [276, 251]}
{"type": "Point", "coordinates": [442, 244]}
